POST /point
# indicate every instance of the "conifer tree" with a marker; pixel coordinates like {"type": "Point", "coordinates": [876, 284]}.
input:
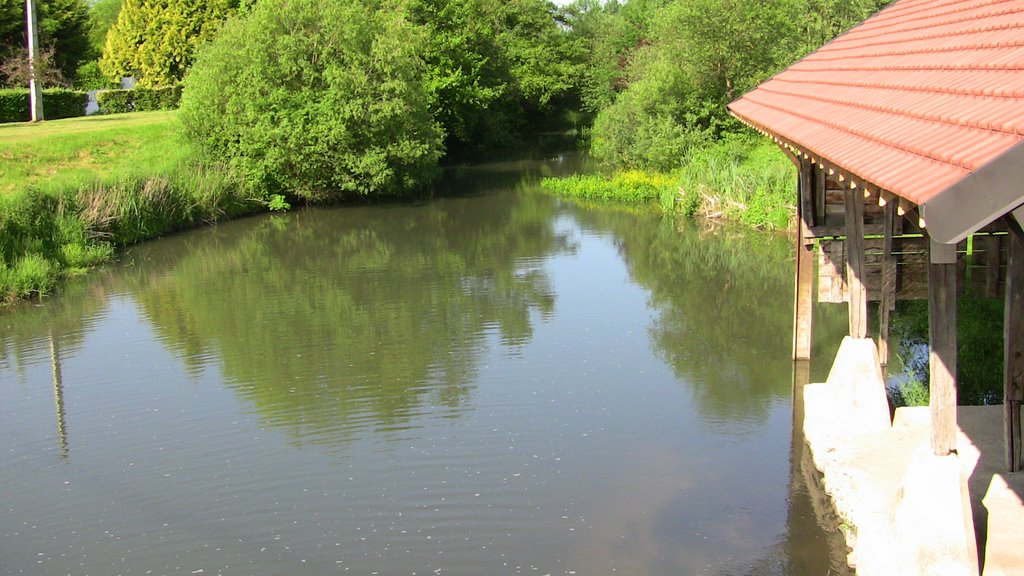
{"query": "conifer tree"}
{"type": "Point", "coordinates": [155, 40]}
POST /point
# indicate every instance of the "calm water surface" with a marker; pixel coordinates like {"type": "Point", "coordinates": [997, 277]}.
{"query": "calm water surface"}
{"type": "Point", "coordinates": [496, 382]}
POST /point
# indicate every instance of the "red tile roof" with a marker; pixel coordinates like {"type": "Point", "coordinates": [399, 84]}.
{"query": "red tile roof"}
{"type": "Point", "coordinates": [912, 100]}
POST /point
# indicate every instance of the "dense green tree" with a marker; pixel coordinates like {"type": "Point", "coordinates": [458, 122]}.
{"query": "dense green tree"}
{"type": "Point", "coordinates": [465, 77]}
{"type": "Point", "coordinates": [102, 17]}
{"type": "Point", "coordinates": [155, 40]}
{"type": "Point", "coordinates": [539, 55]}
{"type": "Point", "coordinates": [317, 100]}
{"type": "Point", "coordinates": [700, 55]}
{"type": "Point", "coordinates": [611, 33]}
{"type": "Point", "coordinates": [63, 27]}
{"type": "Point", "coordinates": [12, 24]}
{"type": "Point", "coordinates": [491, 62]}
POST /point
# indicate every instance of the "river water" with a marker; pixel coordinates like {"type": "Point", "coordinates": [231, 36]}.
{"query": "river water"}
{"type": "Point", "coordinates": [491, 382]}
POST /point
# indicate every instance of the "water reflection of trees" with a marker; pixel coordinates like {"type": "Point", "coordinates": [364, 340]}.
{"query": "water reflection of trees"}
{"type": "Point", "coordinates": [331, 320]}
{"type": "Point", "coordinates": [724, 305]}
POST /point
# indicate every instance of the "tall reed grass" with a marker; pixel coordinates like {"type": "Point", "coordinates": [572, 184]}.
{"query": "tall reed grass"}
{"type": "Point", "coordinates": [741, 178]}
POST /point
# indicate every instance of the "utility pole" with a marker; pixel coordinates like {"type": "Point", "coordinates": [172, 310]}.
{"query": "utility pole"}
{"type": "Point", "coordinates": [35, 96]}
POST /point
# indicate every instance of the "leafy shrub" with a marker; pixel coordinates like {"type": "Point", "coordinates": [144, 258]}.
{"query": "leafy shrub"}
{"type": "Point", "coordinates": [979, 345]}
{"type": "Point", "coordinates": [14, 106]}
{"type": "Point", "coordinates": [139, 99]}
{"type": "Point", "coordinates": [645, 128]}
{"type": "Point", "coordinates": [320, 100]}
{"type": "Point", "coordinates": [89, 77]}
{"type": "Point", "coordinates": [57, 103]}
{"type": "Point", "coordinates": [914, 392]}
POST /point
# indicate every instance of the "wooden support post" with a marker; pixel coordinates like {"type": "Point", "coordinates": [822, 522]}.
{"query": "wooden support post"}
{"type": "Point", "coordinates": [993, 248]}
{"type": "Point", "coordinates": [855, 264]}
{"type": "Point", "coordinates": [942, 298]}
{"type": "Point", "coordinates": [887, 302]}
{"type": "Point", "coordinates": [819, 197]}
{"type": "Point", "coordinates": [803, 300]}
{"type": "Point", "coordinates": [1013, 347]}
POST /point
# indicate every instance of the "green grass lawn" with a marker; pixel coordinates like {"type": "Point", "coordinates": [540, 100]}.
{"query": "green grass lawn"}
{"type": "Point", "coordinates": [69, 153]}
{"type": "Point", "coordinates": [73, 190]}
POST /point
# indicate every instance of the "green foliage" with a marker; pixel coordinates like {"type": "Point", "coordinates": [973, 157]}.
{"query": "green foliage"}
{"type": "Point", "coordinates": [63, 25]}
{"type": "Point", "coordinates": [14, 106]}
{"type": "Point", "coordinates": [631, 186]}
{"type": "Point", "coordinates": [637, 132]}
{"type": "Point", "coordinates": [610, 33]}
{"type": "Point", "coordinates": [90, 77]}
{"type": "Point", "coordinates": [139, 99]}
{"type": "Point", "coordinates": [979, 345]}
{"type": "Point", "coordinates": [277, 203]}
{"type": "Point", "coordinates": [491, 63]}
{"type": "Point", "coordinates": [915, 393]}
{"type": "Point", "coordinates": [980, 350]}
{"type": "Point", "coordinates": [465, 78]}
{"type": "Point", "coordinates": [31, 274]}
{"type": "Point", "coordinates": [59, 219]}
{"type": "Point", "coordinates": [102, 17]}
{"type": "Point", "coordinates": [540, 60]}
{"type": "Point", "coordinates": [57, 103]}
{"type": "Point", "coordinates": [741, 178]}
{"type": "Point", "coordinates": [694, 58]}
{"type": "Point", "coordinates": [155, 41]}
{"type": "Point", "coordinates": [320, 101]}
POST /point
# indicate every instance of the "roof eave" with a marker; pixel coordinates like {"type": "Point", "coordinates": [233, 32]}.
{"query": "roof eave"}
{"type": "Point", "coordinates": [981, 197]}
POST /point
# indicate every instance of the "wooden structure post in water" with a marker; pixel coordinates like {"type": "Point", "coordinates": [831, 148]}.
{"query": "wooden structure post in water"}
{"type": "Point", "coordinates": [1013, 346]}
{"type": "Point", "coordinates": [887, 303]}
{"type": "Point", "coordinates": [803, 300]}
{"type": "Point", "coordinates": [942, 298]}
{"type": "Point", "coordinates": [855, 268]}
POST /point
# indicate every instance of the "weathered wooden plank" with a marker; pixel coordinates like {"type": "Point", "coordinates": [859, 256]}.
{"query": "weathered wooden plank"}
{"type": "Point", "coordinates": [911, 258]}
{"type": "Point", "coordinates": [993, 250]}
{"type": "Point", "coordinates": [888, 292]}
{"type": "Point", "coordinates": [1013, 348]}
{"type": "Point", "coordinates": [839, 230]}
{"type": "Point", "coordinates": [803, 301]}
{"type": "Point", "coordinates": [819, 196]}
{"type": "Point", "coordinates": [858, 305]}
{"type": "Point", "coordinates": [805, 189]}
{"type": "Point", "coordinates": [943, 346]}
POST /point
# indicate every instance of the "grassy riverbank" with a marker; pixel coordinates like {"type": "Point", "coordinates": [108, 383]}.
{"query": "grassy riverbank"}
{"type": "Point", "coordinates": [743, 179]}
{"type": "Point", "coordinates": [72, 190]}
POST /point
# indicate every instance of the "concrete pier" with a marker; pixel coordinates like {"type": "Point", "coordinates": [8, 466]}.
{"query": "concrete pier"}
{"type": "Point", "coordinates": [904, 510]}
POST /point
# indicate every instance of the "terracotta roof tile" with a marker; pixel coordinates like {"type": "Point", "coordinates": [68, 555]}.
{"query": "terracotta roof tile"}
{"type": "Point", "coordinates": [912, 100]}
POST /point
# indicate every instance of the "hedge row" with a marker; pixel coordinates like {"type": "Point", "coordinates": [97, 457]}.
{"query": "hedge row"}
{"type": "Point", "coordinates": [138, 99]}
{"type": "Point", "coordinates": [57, 103]}
{"type": "Point", "coordinates": [63, 103]}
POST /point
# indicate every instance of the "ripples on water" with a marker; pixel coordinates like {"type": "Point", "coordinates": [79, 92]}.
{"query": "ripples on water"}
{"type": "Point", "coordinates": [497, 383]}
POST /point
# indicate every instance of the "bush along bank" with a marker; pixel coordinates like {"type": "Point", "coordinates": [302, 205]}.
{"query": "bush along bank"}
{"type": "Point", "coordinates": [48, 235]}
{"type": "Point", "coordinates": [740, 178]}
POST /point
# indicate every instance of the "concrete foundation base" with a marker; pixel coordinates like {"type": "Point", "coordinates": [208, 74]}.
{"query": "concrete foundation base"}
{"type": "Point", "coordinates": [904, 511]}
